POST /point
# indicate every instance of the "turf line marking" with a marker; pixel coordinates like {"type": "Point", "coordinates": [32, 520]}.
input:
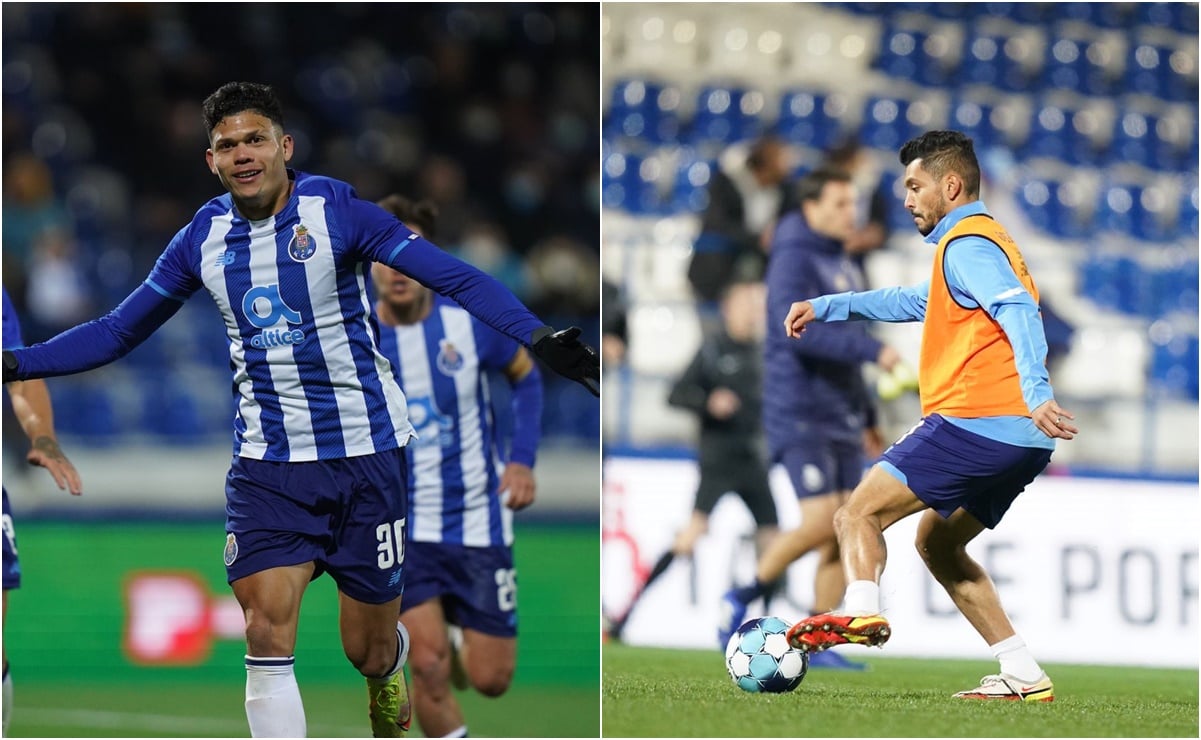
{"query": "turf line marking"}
{"type": "Point", "coordinates": [149, 722]}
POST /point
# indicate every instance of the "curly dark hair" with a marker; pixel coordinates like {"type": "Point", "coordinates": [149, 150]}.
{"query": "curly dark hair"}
{"type": "Point", "coordinates": [421, 215]}
{"type": "Point", "coordinates": [942, 152]}
{"type": "Point", "coordinates": [235, 97]}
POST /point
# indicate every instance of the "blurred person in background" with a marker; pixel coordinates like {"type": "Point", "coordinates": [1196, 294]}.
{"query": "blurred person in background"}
{"type": "Point", "coordinates": [873, 200]}
{"type": "Point", "coordinates": [57, 293]}
{"type": "Point", "coordinates": [31, 405]}
{"type": "Point", "coordinates": [816, 420]}
{"type": "Point", "coordinates": [989, 416]}
{"type": "Point", "coordinates": [723, 387]}
{"type": "Point", "coordinates": [747, 193]}
{"type": "Point", "coordinates": [459, 545]}
{"type": "Point", "coordinates": [321, 422]}
{"type": "Point", "coordinates": [614, 330]}
{"type": "Point", "coordinates": [31, 207]}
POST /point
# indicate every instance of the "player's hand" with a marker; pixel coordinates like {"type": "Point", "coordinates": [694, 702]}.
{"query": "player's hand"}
{"type": "Point", "coordinates": [10, 367]}
{"type": "Point", "coordinates": [564, 353]}
{"type": "Point", "coordinates": [518, 480]}
{"type": "Point", "coordinates": [47, 454]}
{"type": "Point", "coordinates": [799, 314]}
{"type": "Point", "coordinates": [1055, 422]}
{"type": "Point", "coordinates": [888, 358]}
{"type": "Point", "coordinates": [723, 403]}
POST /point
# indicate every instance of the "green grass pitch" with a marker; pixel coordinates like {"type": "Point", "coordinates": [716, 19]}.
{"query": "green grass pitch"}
{"type": "Point", "coordinates": [648, 692]}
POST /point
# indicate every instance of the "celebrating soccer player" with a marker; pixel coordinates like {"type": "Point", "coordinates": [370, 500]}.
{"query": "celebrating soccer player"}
{"type": "Point", "coordinates": [989, 421]}
{"type": "Point", "coordinates": [318, 479]}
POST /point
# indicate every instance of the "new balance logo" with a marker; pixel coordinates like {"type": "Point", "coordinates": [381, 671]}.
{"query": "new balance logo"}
{"type": "Point", "coordinates": [226, 258]}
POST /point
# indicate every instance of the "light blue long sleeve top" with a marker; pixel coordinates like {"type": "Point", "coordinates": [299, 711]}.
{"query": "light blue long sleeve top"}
{"type": "Point", "coordinates": [979, 276]}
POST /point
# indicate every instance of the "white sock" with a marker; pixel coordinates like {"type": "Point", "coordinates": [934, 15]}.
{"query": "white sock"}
{"type": "Point", "coordinates": [402, 647]}
{"type": "Point", "coordinates": [862, 598]}
{"type": "Point", "coordinates": [8, 699]}
{"type": "Point", "coordinates": [460, 731]}
{"type": "Point", "coordinates": [273, 706]}
{"type": "Point", "coordinates": [1016, 659]}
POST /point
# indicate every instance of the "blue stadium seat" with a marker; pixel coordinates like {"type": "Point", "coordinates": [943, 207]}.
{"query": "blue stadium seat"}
{"type": "Point", "coordinates": [909, 54]}
{"type": "Point", "coordinates": [1147, 70]}
{"type": "Point", "coordinates": [1188, 216]}
{"type": "Point", "coordinates": [1105, 15]}
{"type": "Point", "coordinates": [885, 124]}
{"type": "Point", "coordinates": [1176, 16]}
{"type": "Point", "coordinates": [1056, 207]}
{"type": "Point", "coordinates": [170, 412]}
{"type": "Point", "coordinates": [85, 409]}
{"type": "Point", "coordinates": [643, 110]}
{"type": "Point", "coordinates": [726, 114]}
{"type": "Point", "coordinates": [690, 193]}
{"type": "Point", "coordinates": [1174, 365]}
{"type": "Point", "coordinates": [1077, 65]}
{"type": "Point", "coordinates": [1116, 282]}
{"type": "Point", "coordinates": [625, 185]}
{"type": "Point", "coordinates": [1052, 134]}
{"type": "Point", "coordinates": [979, 121]}
{"type": "Point", "coordinates": [984, 61]}
{"type": "Point", "coordinates": [806, 121]}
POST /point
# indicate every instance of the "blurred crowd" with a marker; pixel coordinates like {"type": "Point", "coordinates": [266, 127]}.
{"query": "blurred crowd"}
{"type": "Point", "coordinates": [489, 110]}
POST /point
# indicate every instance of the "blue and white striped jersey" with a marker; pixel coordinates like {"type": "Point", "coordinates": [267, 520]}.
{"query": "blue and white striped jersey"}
{"type": "Point", "coordinates": [455, 462]}
{"type": "Point", "coordinates": [308, 377]}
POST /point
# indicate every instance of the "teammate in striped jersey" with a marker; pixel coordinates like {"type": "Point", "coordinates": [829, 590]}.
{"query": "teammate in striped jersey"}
{"type": "Point", "coordinates": [461, 496]}
{"type": "Point", "coordinates": [31, 406]}
{"type": "Point", "coordinates": [318, 478]}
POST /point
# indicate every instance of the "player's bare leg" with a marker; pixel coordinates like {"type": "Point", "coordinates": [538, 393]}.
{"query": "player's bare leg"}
{"type": "Point", "coordinates": [438, 711]}
{"type": "Point", "coordinates": [489, 660]}
{"type": "Point", "coordinates": [877, 503]}
{"type": "Point", "coordinates": [942, 544]}
{"type": "Point", "coordinates": [270, 601]}
{"type": "Point", "coordinates": [378, 646]}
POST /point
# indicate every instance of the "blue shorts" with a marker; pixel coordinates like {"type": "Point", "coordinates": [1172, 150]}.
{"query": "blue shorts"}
{"type": "Point", "coordinates": [949, 468]}
{"type": "Point", "coordinates": [821, 466]}
{"type": "Point", "coordinates": [12, 566]}
{"type": "Point", "coordinates": [345, 515]}
{"type": "Point", "coordinates": [477, 585]}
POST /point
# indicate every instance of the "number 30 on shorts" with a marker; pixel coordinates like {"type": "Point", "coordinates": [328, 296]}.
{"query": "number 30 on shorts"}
{"type": "Point", "coordinates": [506, 589]}
{"type": "Point", "coordinates": [391, 544]}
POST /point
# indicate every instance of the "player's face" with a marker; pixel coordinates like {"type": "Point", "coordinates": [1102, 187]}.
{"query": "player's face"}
{"type": "Point", "coordinates": [924, 197]}
{"type": "Point", "coordinates": [249, 155]}
{"type": "Point", "coordinates": [396, 289]}
{"type": "Point", "coordinates": [834, 212]}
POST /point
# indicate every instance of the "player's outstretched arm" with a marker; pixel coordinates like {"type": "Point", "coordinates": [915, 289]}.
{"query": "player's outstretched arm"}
{"type": "Point", "coordinates": [95, 343]}
{"type": "Point", "coordinates": [518, 478]}
{"type": "Point", "coordinates": [31, 406]}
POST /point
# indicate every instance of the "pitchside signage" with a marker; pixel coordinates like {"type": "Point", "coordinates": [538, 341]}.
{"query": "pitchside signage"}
{"type": "Point", "coordinates": [1076, 561]}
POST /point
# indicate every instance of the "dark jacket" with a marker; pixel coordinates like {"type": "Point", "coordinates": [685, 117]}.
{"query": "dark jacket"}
{"type": "Point", "coordinates": [722, 362]}
{"type": "Point", "coordinates": [815, 384]}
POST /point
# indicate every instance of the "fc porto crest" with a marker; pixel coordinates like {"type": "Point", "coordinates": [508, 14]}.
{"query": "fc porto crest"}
{"type": "Point", "coordinates": [231, 549]}
{"type": "Point", "coordinates": [449, 360]}
{"type": "Point", "coordinates": [303, 245]}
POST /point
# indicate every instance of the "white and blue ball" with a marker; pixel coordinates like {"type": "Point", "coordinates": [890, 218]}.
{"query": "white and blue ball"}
{"type": "Point", "coordinates": [760, 659]}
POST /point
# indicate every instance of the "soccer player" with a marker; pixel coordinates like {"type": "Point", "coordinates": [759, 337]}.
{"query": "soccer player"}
{"type": "Point", "coordinates": [989, 416]}
{"type": "Point", "coordinates": [819, 404]}
{"type": "Point", "coordinates": [723, 386]}
{"type": "Point", "coordinates": [318, 477]}
{"type": "Point", "coordinates": [31, 406]}
{"type": "Point", "coordinates": [461, 497]}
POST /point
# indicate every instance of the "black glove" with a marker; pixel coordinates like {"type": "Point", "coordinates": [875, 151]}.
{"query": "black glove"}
{"type": "Point", "coordinates": [10, 367]}
{"type": "Point", "coordinates": [564, 353]}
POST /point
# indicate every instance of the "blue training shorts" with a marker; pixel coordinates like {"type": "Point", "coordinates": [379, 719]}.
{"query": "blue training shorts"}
{"type": "Point", "coordinates": [477, 585]}
{"type": "Point", "coordinates": [949, 468]}
{"type": "Point", "coordinates": [346, 515]}
{"type": "Point", "coordinates": [12, 566]}
{"type": "Point", "coordinates": [821, 466]}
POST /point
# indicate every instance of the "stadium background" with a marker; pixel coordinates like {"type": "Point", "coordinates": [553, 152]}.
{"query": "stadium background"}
{"type": "Point", "coordinates": [1085, 122]}
{"type": "Point", "coordinates": [124, 624]}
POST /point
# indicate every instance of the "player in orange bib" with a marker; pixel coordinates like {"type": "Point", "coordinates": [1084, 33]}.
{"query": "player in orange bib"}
{"type": "Point", "coordinates": [989, 416]}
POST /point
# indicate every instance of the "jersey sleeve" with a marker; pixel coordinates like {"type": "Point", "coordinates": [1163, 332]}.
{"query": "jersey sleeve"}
{"type": "Point", "coordinates": [12, 325]}
{"type": "Point", "coordinates": [376, 235]}
{"type": "Point", "coordinates": [495, 350]}
{"type": "Point", "coordinates": [176, 273]}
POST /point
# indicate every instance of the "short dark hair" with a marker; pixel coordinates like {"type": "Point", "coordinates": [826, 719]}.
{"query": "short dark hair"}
{"type": "Point", "coordinates": [236, 97]}
{"type": "Point", "coordinates": [942, 152]}
{"type": "Point", "coordinates": [811, 184]}
{"type": "Point", "coordinates": [757, 157]}
{"type": "Point", "coordinates": [421, 214]}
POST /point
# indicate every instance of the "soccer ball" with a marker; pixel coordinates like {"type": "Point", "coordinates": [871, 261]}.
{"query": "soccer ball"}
{"type": "Point", "coordinates": [759, 658]}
